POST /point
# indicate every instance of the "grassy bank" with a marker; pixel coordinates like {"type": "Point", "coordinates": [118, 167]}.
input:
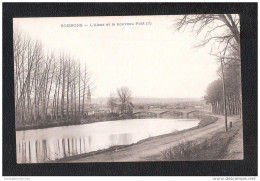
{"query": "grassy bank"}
{"type": "Point", "coordinates": [206, 119]}
{"type": "Point", "coordinates": [213, 148]}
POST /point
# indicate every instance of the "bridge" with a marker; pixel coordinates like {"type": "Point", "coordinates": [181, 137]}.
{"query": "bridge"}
{"type": "Point", "coordinates": [167, 113]}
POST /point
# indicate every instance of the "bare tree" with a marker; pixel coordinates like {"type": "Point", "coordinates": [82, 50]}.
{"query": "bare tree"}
{"type": "Point", "coordinates": [55, 102]}
{"type": "Point", "coordinates": [27, 55]}
{"type": "Point", "coordinates": [223, 31]}
{"type": "Point", "coordinates": [63, 85]}
{"type": "Point", "coordinates": [124, 95]}
{"type": "Point", "coordinates": [79, 86]}
{"type": "Point", "coordinates": [52, 65]}
{"type": "Point", "coordinates": [219, 28]}
{"type": "Point", "coordinates": [43, 82]}
{"type": "Point", "coordinates": [68, 86]}
{"type": "Point", "coordinates": [86, 83]}
{"type": "Point", "coordinates": [112, 102]}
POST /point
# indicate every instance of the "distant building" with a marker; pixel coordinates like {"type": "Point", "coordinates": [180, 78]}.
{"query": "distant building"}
{"type": "Point", "coordinates": [88, 97]}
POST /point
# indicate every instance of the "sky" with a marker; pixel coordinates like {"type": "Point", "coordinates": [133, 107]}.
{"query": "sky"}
{"type": "Point", "coordinates": [152, 60]}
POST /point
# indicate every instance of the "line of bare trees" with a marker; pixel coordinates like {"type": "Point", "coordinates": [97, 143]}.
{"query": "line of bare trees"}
{"type": "Point", "coordinates": [47, 87]}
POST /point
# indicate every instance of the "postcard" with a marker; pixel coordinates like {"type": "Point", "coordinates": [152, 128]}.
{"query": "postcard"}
{"type": "Point", "coordinates": [128, 88]}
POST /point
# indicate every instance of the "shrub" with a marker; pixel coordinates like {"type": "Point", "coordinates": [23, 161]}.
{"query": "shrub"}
{"type": "Point", "coordinates": [184, 151]}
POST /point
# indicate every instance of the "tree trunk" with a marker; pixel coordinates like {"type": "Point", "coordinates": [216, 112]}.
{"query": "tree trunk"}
{"type": "Point", "coordinates": [224, 94]}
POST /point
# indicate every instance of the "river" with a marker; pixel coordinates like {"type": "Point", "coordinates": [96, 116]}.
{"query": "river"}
{"type": "Point", "coordinates": [42, 145]}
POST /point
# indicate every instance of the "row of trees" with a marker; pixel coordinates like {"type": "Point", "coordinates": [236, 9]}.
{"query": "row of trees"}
{"type": "Point", "coordinates": [214, 93]}
{"type": "Point", "coordinates": [47, 87]}
{"type": "Point", "coordinates": [122, 101]}
{"type": "Point", "coordinates": [222, 33]}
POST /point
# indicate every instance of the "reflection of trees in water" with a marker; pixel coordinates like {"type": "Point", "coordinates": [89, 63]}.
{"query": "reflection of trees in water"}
{"type": "Point", "coordinates": [45, 150]}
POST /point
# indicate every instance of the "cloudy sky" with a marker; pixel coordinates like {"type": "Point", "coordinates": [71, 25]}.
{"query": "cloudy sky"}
{"type": "Point", "coordinates": [152, 60]}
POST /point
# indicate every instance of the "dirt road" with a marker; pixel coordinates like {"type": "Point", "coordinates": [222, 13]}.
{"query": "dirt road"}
{"type": "Point", "coordinates": [150, 148]}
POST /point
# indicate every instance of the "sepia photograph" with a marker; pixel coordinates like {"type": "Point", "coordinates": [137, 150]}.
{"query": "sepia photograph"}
{"type": "Point", "coordinates": [128, 88]}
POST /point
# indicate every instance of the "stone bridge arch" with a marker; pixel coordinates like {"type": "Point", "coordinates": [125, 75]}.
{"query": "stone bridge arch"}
{"type": "Point", "coordinates": [193, 114]}
{"type": "Point", "coordinates": [145, 114]}
{"type": "Point", "coordinates": [172, 114]}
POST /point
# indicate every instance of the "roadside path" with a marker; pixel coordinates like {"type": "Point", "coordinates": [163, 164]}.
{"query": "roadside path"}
{"type": "Point", "coordinates": [149, 148]}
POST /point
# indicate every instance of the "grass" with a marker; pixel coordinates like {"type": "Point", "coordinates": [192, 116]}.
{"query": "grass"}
{"type": "Point", "coordinates": [213, 148]}
{"type": "Point", "coordinates": [205, 120]}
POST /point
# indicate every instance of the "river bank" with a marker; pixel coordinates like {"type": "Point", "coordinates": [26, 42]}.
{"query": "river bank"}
{"type": "Point", "coordinates": [149, 149]}
{"type": "Point", "coordinates": [65, 123]}
{"type": "Point", "coordinates": [204, 121]}
{"type": "Point", "coordinates": [80, 121]}
{"type": "Point", "coordinates": [212, 148]}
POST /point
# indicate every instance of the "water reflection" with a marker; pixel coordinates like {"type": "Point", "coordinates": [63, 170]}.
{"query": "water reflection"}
{"type": "Point", "coordinates": [38, 146]}
{"type": "Point", "coordinates": [45, 150]}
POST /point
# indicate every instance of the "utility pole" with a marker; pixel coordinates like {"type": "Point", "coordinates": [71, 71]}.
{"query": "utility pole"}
{"type": "Point", "coordinates": [224, 93]}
